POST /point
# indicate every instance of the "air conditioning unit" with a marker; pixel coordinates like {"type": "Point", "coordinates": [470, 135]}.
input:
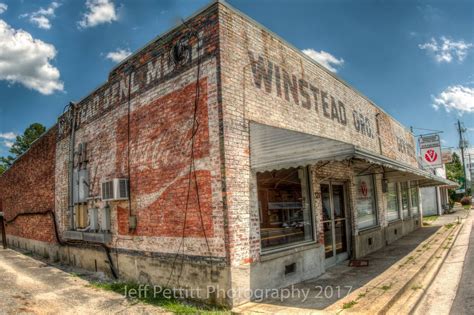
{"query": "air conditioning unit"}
{"type": "Point", "coordinates": [115, 189]}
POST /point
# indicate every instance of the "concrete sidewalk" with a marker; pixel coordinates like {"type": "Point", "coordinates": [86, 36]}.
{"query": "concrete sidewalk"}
{"type": "Point", "coordinates": [439, 296]}
{"type": "Point", "coordinates": [29, 286]}
{"type": "Point", "coordinates": [334, 290]}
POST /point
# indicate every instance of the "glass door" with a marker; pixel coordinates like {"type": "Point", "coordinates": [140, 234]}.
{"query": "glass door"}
{"type": "Point", "coordinates": [335, 222]}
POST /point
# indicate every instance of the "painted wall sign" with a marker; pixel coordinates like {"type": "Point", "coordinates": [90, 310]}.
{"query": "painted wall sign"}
{"type": "Point", "coordinates": [157, 70]}
{"type": "Point", "coordinates": [274, 79]}
{"type": "Point", "coordinates": [430, 151]}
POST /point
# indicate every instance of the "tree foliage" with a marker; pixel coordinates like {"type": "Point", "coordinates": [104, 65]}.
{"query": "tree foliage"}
{"type": "Point", "coordinates": [21, 145]}
{"type": "Point", "coordinates": [454, 169]}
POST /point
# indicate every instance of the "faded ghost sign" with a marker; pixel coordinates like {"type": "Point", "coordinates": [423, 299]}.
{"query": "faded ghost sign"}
{"type": "Point", "coordinates": [156, 71]}
{"type": "Point", "coordinates": [274, 79]}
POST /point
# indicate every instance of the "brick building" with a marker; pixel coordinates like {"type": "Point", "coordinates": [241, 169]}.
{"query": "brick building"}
{"type": "Point", "coordinates": [217, 155]}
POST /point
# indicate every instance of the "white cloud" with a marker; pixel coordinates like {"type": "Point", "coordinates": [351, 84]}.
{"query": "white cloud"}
{"type": "Point", "coordinates": [458, 97]}
{"type": "Point", "coordinates": [41, 18]}
{"type": "Point", "coordinates": [99, 12]}
{"type": "Point", "coordinates": [324, 58]}
{"type": "Point", "coordinates": [8, 144]}
{"type": "Point", "coordinates": [8, 135]}
{"type": "Point", "coordinates": [446, 50]}
{"type": "Point", "coordinates": [118, 55]}
{"type": "Point", "coordinates": [26, 60]}
{"type": "Point", "coordinates": [3, 7]}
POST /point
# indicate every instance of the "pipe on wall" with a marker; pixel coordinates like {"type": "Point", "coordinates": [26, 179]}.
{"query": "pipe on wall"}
{"type": "Point", "coordinates": [71, 163]}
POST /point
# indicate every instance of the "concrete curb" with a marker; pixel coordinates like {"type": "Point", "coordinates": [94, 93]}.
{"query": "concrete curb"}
{"type": "Point", "coordinates": [377, 296]}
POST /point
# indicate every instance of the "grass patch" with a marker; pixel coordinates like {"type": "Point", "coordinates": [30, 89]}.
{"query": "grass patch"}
{"type": "Point", "coordinates": [449, 225]}
{"type": "Point", "coordinates": [349, 305]}
{"type": "Point", "coordinates": [430, 219]}
{"type": "Point", "coordinates": [168, 303]}
{"type": "Point", "coordinates": [416, 287]}
{"type": "Point", "coordinates": [386, 287]}
{"type": "Point", "coordinates": [361, 295]}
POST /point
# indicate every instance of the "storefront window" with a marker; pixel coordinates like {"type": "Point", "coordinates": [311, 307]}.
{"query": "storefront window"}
{"type": "Point", "coordinates": [415, 200]}
{"type": "Point", "coordinates": [405, 200]}
{"type": "Point", "coordinates": [393, 211]}
{"type": "Point", "coordinates": [285, 214]}
{"type": "Point", "coordinates": [365, 202]}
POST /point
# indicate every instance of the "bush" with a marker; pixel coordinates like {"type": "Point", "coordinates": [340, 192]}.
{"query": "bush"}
{"type": "Point", "coordinates": [466, 201]}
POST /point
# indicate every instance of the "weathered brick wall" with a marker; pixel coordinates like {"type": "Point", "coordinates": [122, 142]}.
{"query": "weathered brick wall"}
{"type": "Point", "coordinates": [28, 186]}
{"type": "Point", "coordinates": [267, 81]}
{"type": "Point", "coordinates": [141, 122]}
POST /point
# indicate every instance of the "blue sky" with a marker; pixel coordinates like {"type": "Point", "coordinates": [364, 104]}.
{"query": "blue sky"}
{"type": "Point", "coordinates": [407, 56]}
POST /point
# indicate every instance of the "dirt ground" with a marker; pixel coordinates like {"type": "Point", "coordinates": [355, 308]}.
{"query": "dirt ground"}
{"type": "Point", "coordinates": [29, 286]}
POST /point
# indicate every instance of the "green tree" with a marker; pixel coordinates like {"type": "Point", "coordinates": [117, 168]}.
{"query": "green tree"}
{"type": "Point", "coordinates": [455, 173]}
{"type": "Point", "coordinates": [454, 169]}
{"type": "Point", "coordinates": [21, 145]}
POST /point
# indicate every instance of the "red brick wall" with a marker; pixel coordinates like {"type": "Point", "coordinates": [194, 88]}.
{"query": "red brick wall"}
{"type": "Point", "coordinates": [161, 105]}
{"type": "Point", "coordinates": [28, 186]}
{"type": "Point", "coordinates": [160, 157]}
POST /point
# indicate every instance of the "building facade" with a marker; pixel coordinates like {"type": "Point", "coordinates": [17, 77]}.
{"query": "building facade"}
{"type": "Point", "coordinates": [218, 157]}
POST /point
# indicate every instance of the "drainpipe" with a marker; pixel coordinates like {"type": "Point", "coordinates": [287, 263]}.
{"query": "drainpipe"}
{"type": "Point", "coordinates": [72, 140]}
{"type": "Point", "coordinates": [378, 132]}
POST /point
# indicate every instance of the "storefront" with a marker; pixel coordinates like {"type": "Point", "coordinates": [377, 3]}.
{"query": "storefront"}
{"type": "Point", "coordinates": [218, 155]}
{"type": "Point", "coordinates": [323, 200]}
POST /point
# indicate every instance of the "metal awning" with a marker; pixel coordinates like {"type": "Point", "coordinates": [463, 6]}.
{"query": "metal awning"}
{"type": "Point", "coordinates": [275, 148]}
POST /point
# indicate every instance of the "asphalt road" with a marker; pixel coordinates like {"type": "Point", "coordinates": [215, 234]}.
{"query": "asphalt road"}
{"type": "Point", "coordinates": [464, 301]}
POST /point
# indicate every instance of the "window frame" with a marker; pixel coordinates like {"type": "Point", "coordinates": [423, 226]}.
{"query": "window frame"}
{"type": "Point", "coordinates": [408, 201]}
{"type": "Point", "coordinates": [375, 203]}
{"type": "Point", "coordinates": [310, 198]}
{"type": "Point", "coordinates": [412, 214]}
{"type": "Point", "coordinates": [398, 206]}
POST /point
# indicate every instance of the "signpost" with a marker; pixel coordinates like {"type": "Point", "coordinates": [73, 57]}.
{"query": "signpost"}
{"type": "Point", "coordinates": [430, 150]}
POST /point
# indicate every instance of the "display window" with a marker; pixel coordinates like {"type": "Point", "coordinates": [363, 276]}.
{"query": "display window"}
{"type": "Point", "coordinates": [284, 207]}
{"type": "Point", "coordinates": [365, 202]}
{"type": "Point", "coordinates": [392, 204]}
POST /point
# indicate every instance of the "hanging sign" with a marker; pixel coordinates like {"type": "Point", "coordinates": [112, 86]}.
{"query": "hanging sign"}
{"type": "Point", "coordinates": [430, 150]}
{"type": "Point", "coordinates": [447, 157]}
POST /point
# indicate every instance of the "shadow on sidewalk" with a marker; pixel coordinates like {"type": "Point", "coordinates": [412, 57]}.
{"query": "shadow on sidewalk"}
{"type": "Point", "coordinates": [340, 280]}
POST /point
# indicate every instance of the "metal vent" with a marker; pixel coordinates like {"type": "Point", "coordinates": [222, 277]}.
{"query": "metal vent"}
{"type": "Point", "coordinates": [115, 189]}
{"type": "Point", "coordinates": [107, 190]}
{"type": "Point", "coordinates": [123, 188]}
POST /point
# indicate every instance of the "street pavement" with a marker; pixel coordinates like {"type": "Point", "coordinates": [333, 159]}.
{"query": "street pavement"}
{"type": "Point", "coordinates": [29, 286]}
{"type": "Point", "coordinates": [464, 301]}
{"type": "Point", "coordinates": [449, 292]}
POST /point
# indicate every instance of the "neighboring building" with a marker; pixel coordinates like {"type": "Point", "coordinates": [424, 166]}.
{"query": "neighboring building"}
{"type": "Point", "coordinates": [261, 172]}
{"type": "Point", "coordinates": [435, 200]}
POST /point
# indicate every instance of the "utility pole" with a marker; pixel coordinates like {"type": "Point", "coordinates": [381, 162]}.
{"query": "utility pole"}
{"type": "Point", "coordinates": [462, 144]}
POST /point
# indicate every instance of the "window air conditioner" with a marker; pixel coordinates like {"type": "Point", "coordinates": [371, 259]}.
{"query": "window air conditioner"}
{"type": "Point", "coordinates": [115, 189]}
